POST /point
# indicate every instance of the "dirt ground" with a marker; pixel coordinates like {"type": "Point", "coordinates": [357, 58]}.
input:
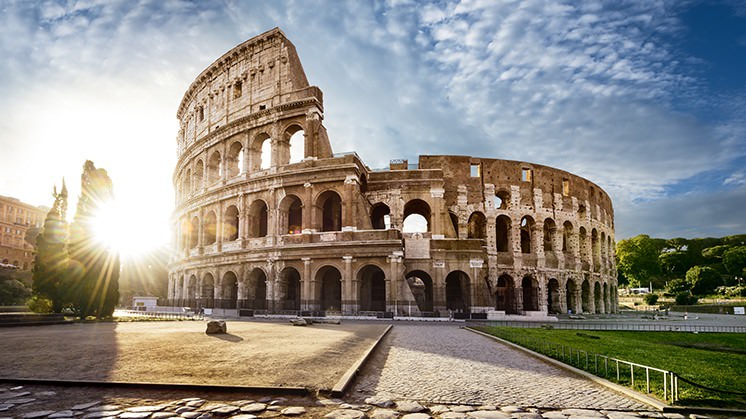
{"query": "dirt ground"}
{"type": "Point", "coordinates": [251, 354]}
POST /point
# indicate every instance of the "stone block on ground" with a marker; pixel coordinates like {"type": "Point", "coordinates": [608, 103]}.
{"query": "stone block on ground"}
{"type": "Point", "coordinates": [345, 414]}
{"type": "Point", "coordinates": [293, 411]}
{"type": "Point", "coordinates": [488, 414]}
{"type": "Point", "coordinates": [253, 408]}
{"type": "Point", "coordinates": [300, 321]}
{"type": "Point", "coordinates": [407, 406]}
{"type": "Point", "coordinates": [216, 327]}
{"type": "Point", "coordinates": [384, 414]}
{"type": "Point", "coordinates": [379, 401]}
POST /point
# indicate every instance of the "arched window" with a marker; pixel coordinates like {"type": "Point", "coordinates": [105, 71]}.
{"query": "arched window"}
{"type": "Point", "coordinates": [186, 185]}
{"type": "Point", "coordinates": [416, 217]}
{"type": "Point", "coordinates": [329, 283]}
{"type": "Point", "coordinates": [380, 217]}
{"type": "Point", "coordinates": [211, 227]}
{"type": "Point", "coordinates": [527, 227]}
{"type": "Point", "coordinates": [567, 244]}
{"type": "Point", "coordinates": [296, 139]}
{"type": "Point", "coordinates": [502, 228]}
{"type": "Point", "coordinates": [230, 225]}
{"type": "Point", "coordinates": [550, 229]}
{"type": "Point", "coordinates": [291, 215]}
{"type": "Point", "coordinates": [530, 293]}
{"type": "Point", "coordinates": [372, 282]}
{"type": "Point", "coordinates": [234, 160]}
{"type": "Point", "coordinates": [477, 226]}
{"type": "Point", "coordinates": [213, 168]}
{"type": "Point", "coordinates": [265, 161]}
{"type": "Point", "coordinates": [258, 219]}
{"type": "Point", "coordinates": [330, 205]}
{"type": "Point", "coordinates": [199, 175]}
{"type": "Point", "coordinates": [502, 200]}
{"type": "Point", "coordinates": [229, 290]}
{"type": "Point", "coordinates": [194, 233]}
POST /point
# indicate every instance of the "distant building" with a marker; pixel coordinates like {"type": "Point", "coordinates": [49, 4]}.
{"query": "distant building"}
{"type": "Point", "coordinates": [16, 218]}
{"type": "Point", "coordinates": [143, 303]}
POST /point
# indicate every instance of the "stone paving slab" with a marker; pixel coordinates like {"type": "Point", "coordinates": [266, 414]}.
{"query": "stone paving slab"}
{"type": "Point", "coordinates": [446, 364]}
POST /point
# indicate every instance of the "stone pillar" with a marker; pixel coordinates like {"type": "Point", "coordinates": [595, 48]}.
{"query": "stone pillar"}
{"type": "Point", "coordinates": [439, 289]}
{"type": "Point", "coordinates": [308, 299]}
{"type": "Point", "coordinates": [308, 209]}
{"type": "Point", "coordinates": [349, 304]}
{"type": "Point", "coordinates": [562, 295]}
{"type": "Point", "coordinates": [437, 212]}
{"type": "Point", "coordinates": [518, 295]}
{"type": "Point", "coordinates": [348, 203]}
{"type": "Point", "coordinates": [271, 285]}
{"type": "Point", "coordinates": [395, 281]}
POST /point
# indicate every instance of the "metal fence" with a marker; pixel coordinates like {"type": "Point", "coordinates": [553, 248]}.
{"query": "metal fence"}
{"type": "Point", "coordinates": [637, 327]}
{"type": "Point", "coordinates": [166, 315]}
{"type": "Point", "coordinates": [663, 383]}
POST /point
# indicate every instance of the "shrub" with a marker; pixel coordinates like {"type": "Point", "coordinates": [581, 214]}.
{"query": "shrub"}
{"type": "Point", "coordinates": [704, 280]}
{"type": "Point", "coordinates": [650, 299]}
{"type": "Point", "coordinates": [678, 286]}
{"type": "Point", "coordinates": [685, 299]}
{"type": "Point", "coordinates": [39, 304]}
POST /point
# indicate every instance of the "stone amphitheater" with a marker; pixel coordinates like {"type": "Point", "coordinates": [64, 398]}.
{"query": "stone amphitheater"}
{"type": "Point", "coordinates": [269, 220]}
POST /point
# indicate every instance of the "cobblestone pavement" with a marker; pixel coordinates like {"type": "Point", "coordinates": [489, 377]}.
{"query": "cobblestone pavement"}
{"type": "Point", "coordinates": [447, 364]}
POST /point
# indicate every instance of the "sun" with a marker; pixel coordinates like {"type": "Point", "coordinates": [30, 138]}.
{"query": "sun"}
{"type": "Point", "coordinates": [116, 227]}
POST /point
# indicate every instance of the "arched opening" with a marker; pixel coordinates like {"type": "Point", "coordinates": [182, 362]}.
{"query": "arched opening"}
{"type": "Point", "coordinates": [502, 200]}
{"type": "Point", "coordinates": [380, 217]}
{"type": "Point", "coordinates": [194, 233]}
{"type": "Point", "coordinates": [230, 225]}
{"type": "Point", "coordinates": [421, 287]}
{"type": "Point", "coordinates": [179, 289]}
{"type": "Point", "coordinates": [265, 159]}
{"type": "Point", "coordinates": [530, 289]}
{"type": "Point", "coordinates": [598, 298]}
{"type": "Point", "coordinates": [330, 281]}
{"type": "Point", "coordinates": [585, 296]}
{"type": "Point", "coordinates": [186, 185]}
{"type": "Point", "coordinates": [330, 205]}
{"type": "Point", "coordinates": [207, 291]}
{"type": "Point", "coordinates": [191, 291]}
{"type": "Point", "coordinates": [585, 256]}
{"type": "Point", "coordinates": [258, 219]}
{"type": "Point", "coordinates": [595, 250]}
{"type": "Point", "coordinates": [477, 226]}
{"type": "Point", "coordinates": [296, 142]}
{"type": "Point", "coordinates": [454, 223]}
{"type": "Point", "coordinates": [457, 291]}
{"type": "Point", "coordinates": [289, 291]}
{"type": "Point", "coordinates": [213, 167]}
{"type": "Point", "coordinates": [260, 152]}
{"type": "Point", "coordinates": [607, 301]}
{"type": "Point", "coordinates": [567, 237]}
{"type": "Point", "coordinates": [571, 295]}
{"type": "Point", "coordinates": [372, 282]}
{"type": "Point", "coordinates": [553, 297]}
{"type": "Point", "coordinates": [229, 290]}
{"type": "Point", "coordinates": [291, 215]}
{"type": "Point", "coordinates": [502, 230]}
{"type": "Point", "coordinates": [211, 228]}
{"type": "Point", "coordinates": [234, 160]}
{"type": "Point", "coordinates": [527, 227]}
{"type": "Point", "coordinates": [550, 229]}
{"type": "Point", "coordinates": [199, 176]}
{"type": "Point", "coordinates": [416, 217]}
{"type": "Point", "coordinates": [504, 295]}
{"type": "Point", "coordinates": [256, 295]}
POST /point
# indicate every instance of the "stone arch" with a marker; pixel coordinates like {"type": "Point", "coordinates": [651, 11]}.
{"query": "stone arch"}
{"type": "Point", "coordinates": [454, 223]}
{"type": "Point", "coordinates": [505, 295]}
{"type": "Point", "coordinates": [458, 291]}
{"type": "Point", "coordinates": [234, 160]}
{"type": "Point", "coordinates": [329, 284]}
{"type": "Point", "coordinates": [199, 176]}
{"type": "Point", "coordinates": [567, 231]}
{"type": "Point", "coordinates": [530, 289]}
{"type": "Point", "coordinates": [207, 291]}
{"type": "Point", "coordinates": [502, 236]}
{"type": "Point", "coordinates": [258, 156]}
{"type": "Point", "coordinates": [421, 285]}
{"type": "Point", "coordinates": [372, 283]}
{"type": "Point", "coordinates": [550, 231]}
{"type": "Point", "coordinates": [291, 215]}
{"type": "Point", "coordinates": [256, 290]}
{"type": "Point", "coordinates": [289, 292]}
{"type": "Point", "coordinates": [585, 296]}
{"type": "Point", "coordinates": [412, 209]}
{"type": "Point", "coordinates": [258, 218]}
{"type": "Point", "coordinates": [194, 232]}
{"type": "Point", "coordinates": [230, 224]}
{"type": "Point", "coordinates": [294, 139]}
{"type": "Point", "coordinates": [585, 256]}
{"type": "Point", "coordinates": [597, 298]}
{"type": "Point", "coordinates": [329, 206]}
{"type": "Point", "coordinates": [571, 292]}
{"type": "Point", "coordinates": [380, 216]}
{"type": "Point", "coordinates": [477, 226]}
{"type": "Point", "coordinates": [210, 228]}
{"type": "Point", "coordinates": [229, 290]}
{"type": "Point", "coordinates": [502, 199]}
{"type": "Point", "coordinates": [214, 167]}
{"type": "Point", "coordinates": [527, 229]}
{"type": "Point", "coordinates": [554, 304]}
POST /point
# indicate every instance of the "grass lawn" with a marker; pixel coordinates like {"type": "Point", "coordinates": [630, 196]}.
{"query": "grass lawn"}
{"type": "Point", "coordinates": [716, 360]}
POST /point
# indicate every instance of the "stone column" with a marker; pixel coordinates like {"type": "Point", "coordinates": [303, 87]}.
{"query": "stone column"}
{"type": "Point", "coordinates": [348, 203]}
{"type": "Point", "coordinates": [396, 281]}
{"type": "Point", "coordinates": [308, 299]}
{"type": "Point", "coordinates": [518, 296]}
{"type": "Point", "coordinates": [562, 295]}
{"type": "Point", "coordinates": [439, 289]}
{"type": "Point", "coordinates": [349, 305]}
{"type": "Point", "coordinates": [308, 209]}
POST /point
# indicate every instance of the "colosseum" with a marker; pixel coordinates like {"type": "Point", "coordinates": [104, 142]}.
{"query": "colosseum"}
{"type": "Point", "coordinates": [269, 220]}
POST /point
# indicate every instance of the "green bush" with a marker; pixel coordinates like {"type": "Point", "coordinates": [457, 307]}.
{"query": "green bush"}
{"type": "Point", "coordinates": [685, 299]}
{"type": "Point", "coordinates": [678, 286]}
{"type": "Point", "coordinates": [39, 304]}
{"type": "Point", "coordinates": [650, 299]}
{"type": "Point", "coordinates": [704, 280]}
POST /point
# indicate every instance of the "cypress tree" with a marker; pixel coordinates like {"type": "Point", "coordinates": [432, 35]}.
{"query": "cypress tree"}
{"type": "Point", "coordinates": [94, 269]}
{"type": "Point", "coordinates": [50, 265]}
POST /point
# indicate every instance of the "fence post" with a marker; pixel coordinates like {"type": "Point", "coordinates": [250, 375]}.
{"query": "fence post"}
{"type": "Point", "coordinates": [665, 385]}
{"type": "Point", "coordinates": [647, 379]}
{"type": "Point", "coordinates": [617, 371]}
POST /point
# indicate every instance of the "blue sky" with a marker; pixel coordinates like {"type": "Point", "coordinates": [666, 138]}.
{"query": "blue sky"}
{"type": "Point", "coordinates": [647, 99]}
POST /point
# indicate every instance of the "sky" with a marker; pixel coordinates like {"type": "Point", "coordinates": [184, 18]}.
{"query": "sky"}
{"type": "Point", "coordinates": [645, 98]}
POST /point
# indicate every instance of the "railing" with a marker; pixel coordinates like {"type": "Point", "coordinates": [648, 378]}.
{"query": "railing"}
{"type": "Point", "coordinates": [637, 327]}
{"type": "Point", "coordinates": [663, 383]}
{"type": "Point", "coordinates": [170, 315]}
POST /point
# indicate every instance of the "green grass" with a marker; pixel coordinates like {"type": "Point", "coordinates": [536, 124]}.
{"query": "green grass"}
{"type": "Point", "coordinates": [716, 360]}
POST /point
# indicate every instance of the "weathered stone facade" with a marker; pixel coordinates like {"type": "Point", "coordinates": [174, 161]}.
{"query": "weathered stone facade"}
{"type": "Point", "coordinates": [257, 230]}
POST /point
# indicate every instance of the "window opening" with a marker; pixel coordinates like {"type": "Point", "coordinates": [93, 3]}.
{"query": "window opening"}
{"type": "Point", "coordinates": [476, 170]}
{"type": "Point", "coordinates": [526, 175]}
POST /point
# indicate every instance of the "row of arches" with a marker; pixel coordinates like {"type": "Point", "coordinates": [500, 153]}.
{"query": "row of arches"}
{"type": "Point", "coordinates": [235, 158]}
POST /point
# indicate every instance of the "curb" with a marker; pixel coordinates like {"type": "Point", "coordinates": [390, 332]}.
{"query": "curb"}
{"type": "Point", "coordinates": [657, 404]}
{"type": "Point", "coordinates": [283, 391]}
{"type": "Point", "coordinates": [344, 382]}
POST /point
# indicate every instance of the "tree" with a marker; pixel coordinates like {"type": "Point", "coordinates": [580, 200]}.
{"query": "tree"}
{"type": "Point", "coordinates": [678, 286]}
{"type": "Point", "coordinates": [734, 260]}
{"type": "Point", "coordinates": [51, 258]}
{"type": "Point", "coordinates": [12, 289]}
{"type": "Point", "coordinates": [703, 279]}
{"type": "Point", "coordinates": [637, 258]}
{"type": "Point", "coordinates": [94, 269]}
